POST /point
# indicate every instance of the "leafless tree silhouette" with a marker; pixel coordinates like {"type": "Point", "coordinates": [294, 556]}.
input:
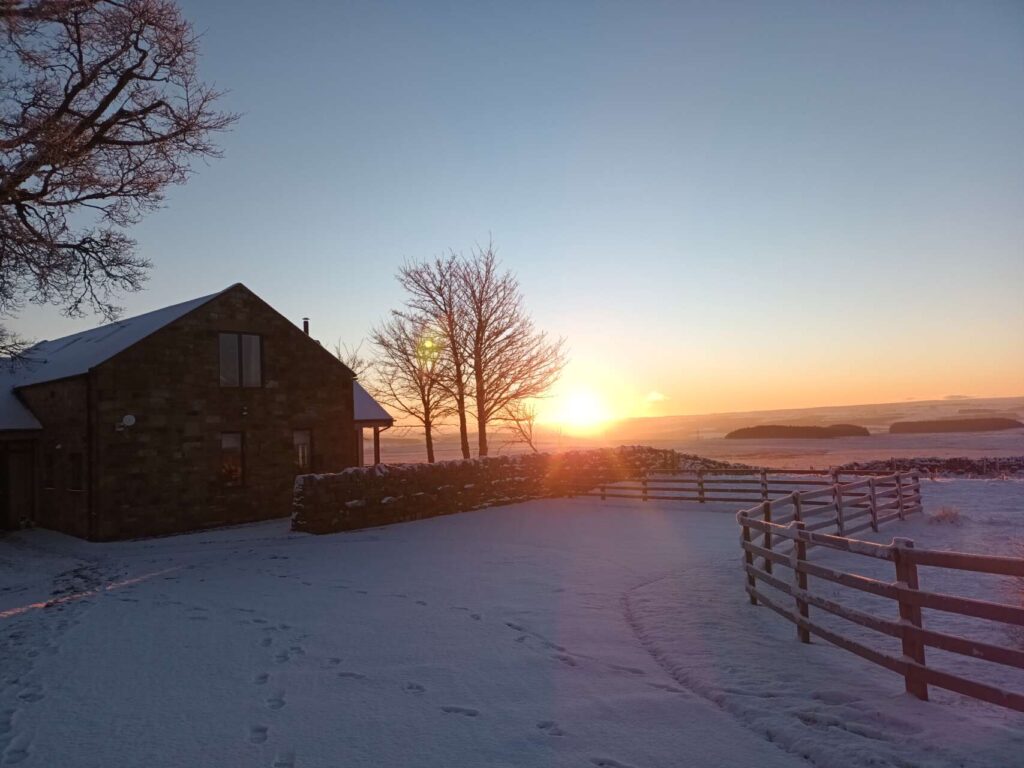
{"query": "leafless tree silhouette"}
{"type": "Point", "coordinates": [520, 419]}
{"type": "Point", "coordinates": [411, 366]}
{"type": "Point", "coordinates": [354, 358]}
{"type": "Point", "coordinates": [433, 291]}
{"type": "Point", "coordinates": [510, 360]}
{"type": "Point", "coordinates": [101, 109]}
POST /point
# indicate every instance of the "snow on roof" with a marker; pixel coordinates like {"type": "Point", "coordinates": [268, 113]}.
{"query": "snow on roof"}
{"type": "Point", "coordinates": [366, 408]}
{"type": "Point", "coordinates": [76, 354]}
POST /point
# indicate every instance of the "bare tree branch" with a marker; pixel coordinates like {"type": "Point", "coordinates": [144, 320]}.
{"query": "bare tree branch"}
{"type": "Point", "coordinates": [511, 361]}
{"type": "Point", "coordinates": [101, 109]}
{"type": "Point", "coordinates": [411, 366]}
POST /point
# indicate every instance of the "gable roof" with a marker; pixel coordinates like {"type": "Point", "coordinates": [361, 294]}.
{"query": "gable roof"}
{"type": "Point", "coordinates": [368, 410]}
{"type": "Point", "coordinates": [74, 355]}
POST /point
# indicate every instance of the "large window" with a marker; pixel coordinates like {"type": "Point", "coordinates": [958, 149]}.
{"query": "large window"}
{"type": "Point", "coordinates": [241, 360]}
{"type": "Point", "coordinates": [232, 464]}
{"type": "Point", "coordinates": [303, 441]}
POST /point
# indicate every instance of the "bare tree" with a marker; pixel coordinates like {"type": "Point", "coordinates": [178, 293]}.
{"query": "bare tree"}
{"type": "Point", "coordinates": [433, 290]}
{"type": "Point", "coordinates": [520, 418]}
{"type": "Point", "coordinates": [411, 366]}
{"type": "Point", "coordinates": [101, 109]}
{"type": "Point", "coordinates": [353, 357]}
{"type": "Point", "coordinates": [511, 361]}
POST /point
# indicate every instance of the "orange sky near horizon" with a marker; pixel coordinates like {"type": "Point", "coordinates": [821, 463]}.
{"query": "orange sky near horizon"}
{"type": "Point", "coordinates": [589, 398]}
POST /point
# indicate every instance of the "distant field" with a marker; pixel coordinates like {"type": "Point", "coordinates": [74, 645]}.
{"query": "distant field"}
{"type": "Point", "coordinates": [988, 424]}
{"type": "Point", "coordinates": [704, 435]}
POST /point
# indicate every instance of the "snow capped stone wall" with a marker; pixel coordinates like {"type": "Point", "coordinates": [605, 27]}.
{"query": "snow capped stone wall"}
{"type": "Point", "coordinates": [360, 497]}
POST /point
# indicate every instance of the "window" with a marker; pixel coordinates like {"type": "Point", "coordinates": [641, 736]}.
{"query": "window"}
{"type": "Point", "coordinates": [241, 360]}
{"type": "Point", "coordinates": [48, 472]}
{"type": "Point", "coordinates": [231, 464]}
{"type": "Point", "coordinates": [77, 478]}
{"type": "Point", "coordinates": [303, 441]}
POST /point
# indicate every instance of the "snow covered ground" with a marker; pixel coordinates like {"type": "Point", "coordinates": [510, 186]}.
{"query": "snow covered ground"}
{"type": "Point", "coordinates": [556, 633]}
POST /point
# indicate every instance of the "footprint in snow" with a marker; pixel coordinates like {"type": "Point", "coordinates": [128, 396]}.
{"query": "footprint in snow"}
{"type": "Point", "coordinates": [475, 616]}
{"type": "Point", "coordinates": [630, 670]}
{"type": "Point", "coordinates": [266, 641]}
{"type": "Point", "coordinates": [550, 727]}
{"type": "Point", "coordinates": [284, 760]}
{"type": "Point", "coordinates": [32, 695]}
{"type": "Point", "coordinates": [282, 657]}
{"type": "Point", "coordinates": [421, 602]}
{"type": "Point", "coordinates": [333, 661]}
{"type": "Point", "coordinates": [607, 762]}
{"type": "Point", "coordinates": [413, 688]}
{"type": "Point", "coordinates": [664, 687]}
{"type": "Point", "coordinates": [464, 711]}
{"type": "Point", "coordinates": [257, 734]}
{"type": "Point", "coordinates": [261, 678]}
{"type": "Point", "coordinates": [352, 675]}
{"type": "Point", "coordinates": [15, 756]}
{"type": "Point", "coordinates": [276, 701]}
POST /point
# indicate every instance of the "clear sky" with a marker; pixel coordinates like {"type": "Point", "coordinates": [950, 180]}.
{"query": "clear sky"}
{"type": "Point", "coordinates": [735, 206]}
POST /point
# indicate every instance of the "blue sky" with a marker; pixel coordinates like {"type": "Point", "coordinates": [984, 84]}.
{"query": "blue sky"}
{"type": "Point", "coordinates": [738, 205]}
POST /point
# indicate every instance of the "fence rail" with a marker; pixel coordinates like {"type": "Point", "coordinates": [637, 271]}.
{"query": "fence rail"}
{"type": "Point", "coordinates": [875, 501]}
{"type": "Point", "coordinates": [743, 486]}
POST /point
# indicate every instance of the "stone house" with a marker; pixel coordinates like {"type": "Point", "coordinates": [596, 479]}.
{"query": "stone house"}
{"type": "Point", "coordinates": [192, 416]}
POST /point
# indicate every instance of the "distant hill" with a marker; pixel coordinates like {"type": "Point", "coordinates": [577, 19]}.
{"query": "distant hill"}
{"type": "Point", "coordinates": [770, 431]}
{"type": "Point", "coordinates": [954, 425]}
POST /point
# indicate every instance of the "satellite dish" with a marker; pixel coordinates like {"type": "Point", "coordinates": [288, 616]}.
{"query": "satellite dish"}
{"type": "Point", "coordinates": [127, 420]}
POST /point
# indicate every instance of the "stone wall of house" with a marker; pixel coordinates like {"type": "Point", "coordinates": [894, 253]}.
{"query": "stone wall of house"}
{"type": "Point", "coordinates": [369, 496]}
{"type": "Point", "coordinates": [163, 474]}
{"type": "Point", "coordinates": [62, 408]}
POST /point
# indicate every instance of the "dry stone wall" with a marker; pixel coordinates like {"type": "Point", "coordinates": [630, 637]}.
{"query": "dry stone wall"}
{"type": "Point", "coordinates": [370, 496]}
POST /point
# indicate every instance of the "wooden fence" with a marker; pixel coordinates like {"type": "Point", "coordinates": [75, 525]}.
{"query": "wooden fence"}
{"type": "Point", "coordinates": [752, 485]}
{"type": "Point", "coordinates": [790, 521]}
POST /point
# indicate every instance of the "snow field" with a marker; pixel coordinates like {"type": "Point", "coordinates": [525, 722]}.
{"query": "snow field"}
{"type": "Point", "coordinates": [554, 633]}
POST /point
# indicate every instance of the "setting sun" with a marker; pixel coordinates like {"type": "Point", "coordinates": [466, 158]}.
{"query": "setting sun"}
{"type": "Point", "coordinates": [581, 412]}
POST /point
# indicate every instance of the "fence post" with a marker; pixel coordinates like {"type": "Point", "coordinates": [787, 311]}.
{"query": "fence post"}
{"type": "Point", "coordinates": [910, 616]}
{"type": "Point", "coordinates": [644, 492]}
{"type": "Point", "coordinates": [602, 491]}
{"type": "Point", "coordinates": [899, 495]}
{"type": "Point", "coordinates": [916, 478]}
{"type": "Point", "coordinates": [700, 485]}
{"type": "Point", "coordinates": [798, 556]}
{"type": "Point", "coordinates": [766, 509]}
{"type": "Point", "coordinates": [873, 504]}
{"type": "Point", "coordinates": [764, 484]}
{"type": "Point", "coordinates": [748, 558]}
{"type": "Point", "coordinates": [797, 506]}
{"type": "Point", "coordinates": [837, 498]}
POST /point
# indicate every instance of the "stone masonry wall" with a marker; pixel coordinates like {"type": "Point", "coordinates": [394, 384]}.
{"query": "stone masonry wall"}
{"type": "Point", "coordinates": [162, 475]}
{"type": "Point", "coordinates": [364, 497]}
{"type": "Point", "coordinates": [62, 409]}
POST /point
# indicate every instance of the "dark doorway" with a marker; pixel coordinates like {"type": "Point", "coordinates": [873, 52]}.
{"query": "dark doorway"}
{"type": "Point", "coordinates": [16, 484]}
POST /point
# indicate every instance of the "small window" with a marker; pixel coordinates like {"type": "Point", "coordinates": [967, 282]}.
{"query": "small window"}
{"type": "Point", "coordinates": [48, 473]}
{"type": "Point", "coordinates": [77, 476]}
{"type": "Point", "coordinates": [241, 360]}
{"type": "Point", "coordinates": [303, 441]}
{"type": "Point", "coordinates": [229, 373]}
{"type": "Point", "coordinates": [231, 464]}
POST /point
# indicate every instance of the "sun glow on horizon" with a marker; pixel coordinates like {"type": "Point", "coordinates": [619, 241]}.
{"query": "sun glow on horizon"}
{"type": "Point", "coordinates": [581, 412]}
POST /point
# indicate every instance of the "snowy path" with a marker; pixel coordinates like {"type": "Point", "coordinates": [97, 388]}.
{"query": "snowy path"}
{"type": "Point", "coordinates": [563, 633]}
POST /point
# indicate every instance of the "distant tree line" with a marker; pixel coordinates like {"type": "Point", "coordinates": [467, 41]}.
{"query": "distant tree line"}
{"type": "Point", "coordinates": [461, 348]}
